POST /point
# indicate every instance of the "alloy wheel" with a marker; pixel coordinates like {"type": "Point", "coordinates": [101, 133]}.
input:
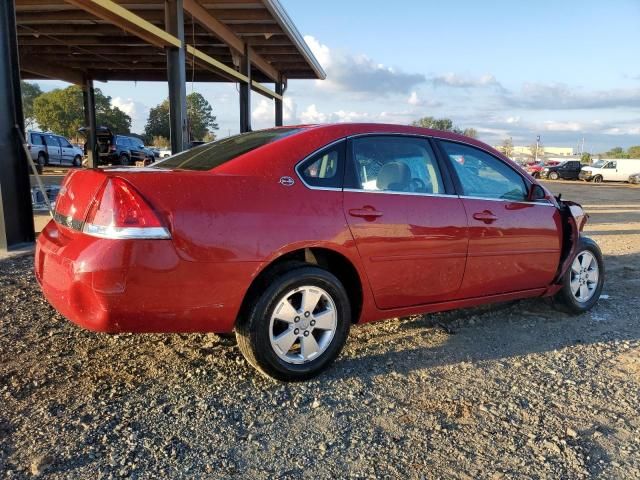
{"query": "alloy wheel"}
{"type": "Point", "coordinates": [584, 276]}
{"type": "Point", "coordinates": [303, 324]}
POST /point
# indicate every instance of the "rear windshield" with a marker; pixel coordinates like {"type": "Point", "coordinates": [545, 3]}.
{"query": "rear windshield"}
{"type": "Point", "coordinates": [212, 155]}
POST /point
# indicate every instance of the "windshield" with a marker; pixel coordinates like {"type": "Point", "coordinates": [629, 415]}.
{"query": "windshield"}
{"type": "Point", "coordinates": [212, 155]}
{"type": "Point", "coordinates": [598, 164]}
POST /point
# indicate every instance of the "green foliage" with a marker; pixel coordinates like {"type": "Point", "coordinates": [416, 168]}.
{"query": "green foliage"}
{"type": "Point", "coordinates": [444, 124]}
{"type": "Point", "coordinates": [62, 111]}
{"type": "Point", "coordinates": [585, 159]}
{"type": "Point", "coordinates": [616, 152]}
{"type": "Point", "coordinates": [634, 152]}
{"type": "Point", "coordinates": [507, 147]}
{"type": "Point", "coordinates": [200, 118]}
{"type": "Point", "coordinates": [30, 91]}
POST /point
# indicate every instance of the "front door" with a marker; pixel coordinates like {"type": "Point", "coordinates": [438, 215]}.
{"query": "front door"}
{"type": "Point", "coordinates": [514, 244]}
{"type": "Point", "coordinates": [410, 232]}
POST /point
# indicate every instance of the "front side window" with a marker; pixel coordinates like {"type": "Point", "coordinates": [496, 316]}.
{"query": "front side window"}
{"type": "Point", "coordinates": [395, 164]}
{"type": "Point", "coordinates": [324, 169]}
{"type": "Point", "coordinates": [611, 165]}
{"type": "Point", "coordinates": [483, 175]}
{"type": "Point", "coordinates": [64, 142]}
{"type": "Point", "coordinates": [52, 141]}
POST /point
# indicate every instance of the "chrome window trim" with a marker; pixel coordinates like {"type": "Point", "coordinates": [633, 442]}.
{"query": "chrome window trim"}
{"type": "Point", "coordinates": [391, 192]}
{"type": "Point", "coordinates": [546, 203]}
{"type": "Point", "coordinates": [312, 154]}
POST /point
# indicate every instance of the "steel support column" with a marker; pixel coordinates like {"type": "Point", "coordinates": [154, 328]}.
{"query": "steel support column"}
{"type": "Point", "coordinates": [16, 216]}
{"type": "Point", "coordinates": [176, 73]}
{"type": "Point", "coordinates": [88, 95]}
{"type": "Point", "coordinates": [281, 86]}
{"type": "Point", "coordinates": [245, 92]}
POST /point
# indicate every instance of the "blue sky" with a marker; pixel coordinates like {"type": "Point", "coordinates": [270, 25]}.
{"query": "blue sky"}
{"type": "Point", "coordinates": [563, 70]}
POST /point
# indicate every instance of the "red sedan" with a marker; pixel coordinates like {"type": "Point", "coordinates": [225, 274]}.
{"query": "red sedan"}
{"type": "Point", "coordinates": [289, 236]}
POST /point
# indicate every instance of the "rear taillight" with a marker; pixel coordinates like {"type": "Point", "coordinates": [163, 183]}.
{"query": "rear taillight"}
{"type": "Point", "coordinates": [120, 212]}
{"type": "Point", "coordinates": [112, 148]}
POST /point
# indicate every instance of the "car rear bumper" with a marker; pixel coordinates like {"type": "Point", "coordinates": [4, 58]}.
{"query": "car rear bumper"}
{"type": "Point", "coordinates": [137, 285]}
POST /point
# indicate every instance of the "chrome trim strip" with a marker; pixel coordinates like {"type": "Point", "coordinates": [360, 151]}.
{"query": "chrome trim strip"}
{"type": "Point", "coordinates": [390, 192]}
{"type": "Point", "coordinates": [124, 233]}
{"type": "Point", "coordinates": [545, 203]}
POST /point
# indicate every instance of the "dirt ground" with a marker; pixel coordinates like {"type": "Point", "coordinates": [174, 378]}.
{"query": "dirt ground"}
{"type": "Point", "coordinates": [509, 391]}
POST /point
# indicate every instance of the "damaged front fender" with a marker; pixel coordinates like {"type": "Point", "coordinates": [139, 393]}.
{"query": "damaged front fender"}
{"type": "Point", "coordinates": [574, 218]}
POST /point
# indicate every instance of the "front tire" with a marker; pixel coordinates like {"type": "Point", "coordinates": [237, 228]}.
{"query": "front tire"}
{"type": "Point", "coordinates": [124, 160]}
{"type": "Point", "coordinates": [296, 327]}
{"type": "Point", "coordinates": [597, 179]}
{"type": "Point", "coordinates": [77, 161]}
{"type": "Point", "coordinates": [554, 176]}
{"type": "Point", "coordinates": [582, 283]}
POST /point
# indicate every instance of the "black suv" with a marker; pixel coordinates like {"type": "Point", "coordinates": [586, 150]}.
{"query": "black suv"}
{"type": "Point", "coordinates": [121, 149]}
{"type": "Point", "coordinates": [568, 170]}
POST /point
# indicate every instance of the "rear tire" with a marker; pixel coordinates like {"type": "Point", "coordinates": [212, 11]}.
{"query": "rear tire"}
{"type": "Point", "coordinates": [77, 161]}
{"type": "Point", "coordinates": [583, 282]}
{"type": "Point", "coordinates": [123, 160]}
{"type": "Point", "coordinates": [42, 160]}
{"type": "Point", "coordinates": [307, 306]}
{"type": "Point", "coordinates": [597, 179]}
{"type": "Point", "coordinates": [554, 176]}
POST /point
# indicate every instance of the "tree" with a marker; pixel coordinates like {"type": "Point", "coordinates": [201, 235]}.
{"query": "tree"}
{"type": "Point", "coordinates": [62, 111]}
{"type": "Point", "coordinates": [30, 91]}
{"type": "Point", "coordinates": [585, 159]}
{"type": "Point", "coordinates": [537, 150]}
{"type": "Point", "coordinates": [507, 147]}
{"type": "Point", "coordinates": [616, 152]}
{"type": "Point", "coordinates": [200, 118]}
{"type": "Point", "coordinates": [444, 124]}
{"type": "Point", "coordinates": [634, 152]}
{"type": "Point", "coordinates": [160, 142]}
{"type": "Point", "coordinates": [470, 132]}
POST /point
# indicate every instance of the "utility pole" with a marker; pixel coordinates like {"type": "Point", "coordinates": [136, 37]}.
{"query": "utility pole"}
{"type": "Point", "coordinates": [582, 147]}
{"type": "Point", "coordinates": [537, 146]}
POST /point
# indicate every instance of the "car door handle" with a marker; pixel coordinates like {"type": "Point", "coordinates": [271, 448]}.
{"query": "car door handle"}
{"type": "Point", "coordinates": [487, 216]}
{"type": "Point", "coordinates": [368, 213]}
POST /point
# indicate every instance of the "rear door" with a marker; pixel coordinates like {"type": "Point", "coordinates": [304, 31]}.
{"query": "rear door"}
{"type": "Point", "coordinates": [410, 232]}
{"type": "Point", "coordinates": [53, 149]}
{"type": "Point", "coordinates": [514, 244]}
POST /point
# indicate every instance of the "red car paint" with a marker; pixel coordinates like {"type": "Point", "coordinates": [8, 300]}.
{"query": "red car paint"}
{"type": "Point", "coordinates": [424, 254]}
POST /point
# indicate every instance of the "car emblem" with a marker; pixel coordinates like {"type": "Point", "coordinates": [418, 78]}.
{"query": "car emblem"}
{"type": "Point", "coordinates": [287, 181]}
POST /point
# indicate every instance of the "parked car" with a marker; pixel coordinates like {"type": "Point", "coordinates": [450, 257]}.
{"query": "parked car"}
{"type": "Point", "coordinates": [568, 170]}
{"type": "Point", "coordinates": [38, 202]}
{"type": "Point", "coordinates": [534, 169]}
{"type": "Point", "coordinates": [120, 149]}
{"type": "Point", "coordinates": [635, 178]}
{"type": "Point", "coordinates": [50, 149]}
{"type": "Point", "coordinates": [610, 170]}
{"type": "Point", "coordinates": [291, 235]}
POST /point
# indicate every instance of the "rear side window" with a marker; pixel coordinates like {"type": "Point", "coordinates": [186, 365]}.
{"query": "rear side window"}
{"type": "Point", "coordinates": [212, 155]}
{"type": "Point", "coordinates": [483, 175]}
{"type": "Point", "coordinates": [324, 169]}
{"type": "Point", "coordinates": [36, 139]}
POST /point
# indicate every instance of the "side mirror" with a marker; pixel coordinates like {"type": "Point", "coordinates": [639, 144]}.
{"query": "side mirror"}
{"type": "Point", "coordinates": [537, 193]}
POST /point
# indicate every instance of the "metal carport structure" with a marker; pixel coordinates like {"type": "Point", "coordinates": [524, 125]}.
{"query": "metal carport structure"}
{"type": "Point", "coordinates": [250, 42]}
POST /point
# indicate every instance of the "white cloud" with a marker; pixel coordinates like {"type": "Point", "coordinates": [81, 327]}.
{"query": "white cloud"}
{"type": "Point", "coordinates": [559, 96]}
{"type": "Point", "coordinates": [128, 105]}
{"type": "Point", "coordinates": [359, 73]}
{"type": "Point", "coordinates": [414, 99]}
{"type": "Point", "coordinates": [312, 115]}
{"type": "Point", "coordinates": [553, 126]}
{"type": "Point", "coordinates": [460, 81]}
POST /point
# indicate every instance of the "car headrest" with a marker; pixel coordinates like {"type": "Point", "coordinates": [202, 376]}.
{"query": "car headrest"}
{"type": "Point", "coordinates": [395, 176]}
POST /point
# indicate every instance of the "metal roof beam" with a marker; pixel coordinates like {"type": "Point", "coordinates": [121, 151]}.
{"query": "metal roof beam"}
{"type": "Point", "coordinates": [219, 29]}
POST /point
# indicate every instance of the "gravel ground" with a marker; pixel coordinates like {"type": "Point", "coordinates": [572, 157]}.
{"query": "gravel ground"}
{"type": "Point", "coordinates": [514, 390]}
